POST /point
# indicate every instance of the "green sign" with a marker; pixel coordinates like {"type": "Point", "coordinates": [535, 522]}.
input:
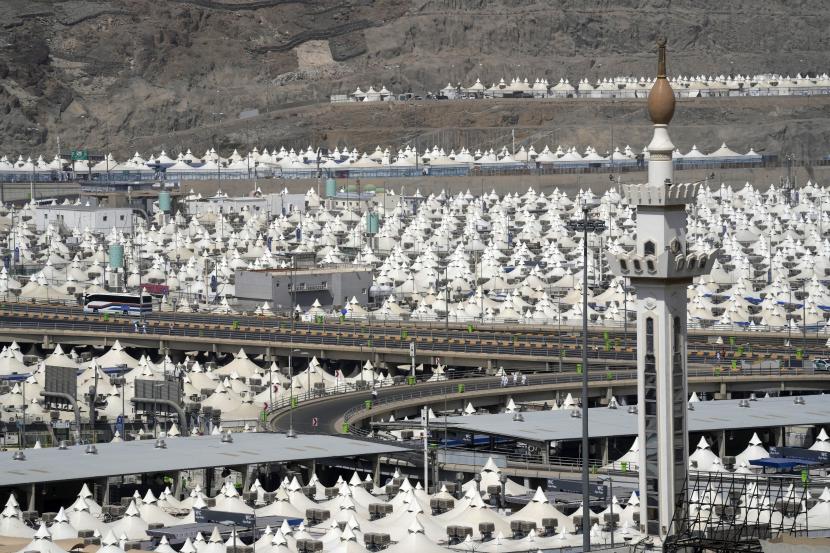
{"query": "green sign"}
{"type": "Point", "coordinates": [345, 428]}
{"type": "Point", "coordinates": [579, 368]}
{"type": "Point", "coordinates": [367, 404]}
{"type": "Point", "coordinates": [805, 476]}
{"type": "Point", "coordinates": [731, 340]}
{"type": "Point", "coordinates": [410, 380]}
{"type": "Point", "coordinates": [80, 155]}
{"type": "Point", "coordinates": [461, 388]}
{"type": "Point", "coordinates": [624, 466]}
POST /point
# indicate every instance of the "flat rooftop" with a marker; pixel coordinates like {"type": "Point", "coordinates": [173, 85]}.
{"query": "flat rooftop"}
{"type": "Point", "coordinates": [545, 426]}
{"type": "Point", "coordinates": [141, 456]}
{"type": "Point", "coordinates": [322, 270]}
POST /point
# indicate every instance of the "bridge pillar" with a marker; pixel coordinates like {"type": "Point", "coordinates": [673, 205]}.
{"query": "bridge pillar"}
{"type": "Point", "coordinates": [105, 484]}
{"type": "Point", "coordinates": [32, 496]}
{"type": "Point", "coordinates": [246, 476]}
{"type": "Point", "coordinates": [312, 469]}
{"type": "Point", "coordinates": [162, 347]}
{"type": "Point", "coordinates": [722, 444]}
{"type": "Point", "coordinates": [208, 481]}
{"type": "Point", "coordinates": [722, 392]}
{"type": "Point", "coordinates": [376, 471]}
{"type": "Point", "coordinates": [47, 342]}
{"type": "Point", "coordinates": [604, 442]}
{"type": "Point", "coordinates": [544, 447]}
{"type": "Point", "coordinates": [780, 436]}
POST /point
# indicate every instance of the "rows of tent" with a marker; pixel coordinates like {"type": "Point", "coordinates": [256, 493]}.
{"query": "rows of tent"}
{"type": "Point", "coordinates": [414, 522]}
{"type": "Point", "coordinates": [462, 257]}
{"type": "Point", "coordinates": [239, 389]}
{"type": "Point", "coordinates": [697, 86]}
{"type": "Point", "coordinates": [288, 163]}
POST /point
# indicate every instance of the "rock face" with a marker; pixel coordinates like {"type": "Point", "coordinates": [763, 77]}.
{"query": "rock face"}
{"type": "Point", "coordinates": [117, 74]}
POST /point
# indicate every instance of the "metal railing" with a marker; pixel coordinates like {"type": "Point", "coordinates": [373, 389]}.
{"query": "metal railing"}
{"type": "Point", "coordinates": [430, 342]}
{"type": "Point", "coordinates": [437, 325]}
{"type": "Point", "coordinates": [544, 379]}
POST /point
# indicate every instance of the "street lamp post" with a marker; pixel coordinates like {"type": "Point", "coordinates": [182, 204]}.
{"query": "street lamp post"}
{"type": "Point", "coordinates": [291, 433]}
{"type": "Point", "coordinates": [595, 226]}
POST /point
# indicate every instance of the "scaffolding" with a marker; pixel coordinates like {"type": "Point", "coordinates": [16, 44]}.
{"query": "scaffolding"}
{"type": "Point", "coordinates": [731, 513]}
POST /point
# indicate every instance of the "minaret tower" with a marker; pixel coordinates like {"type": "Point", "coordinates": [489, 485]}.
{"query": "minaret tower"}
{"type": "Point", "coordinates": [660, 268]}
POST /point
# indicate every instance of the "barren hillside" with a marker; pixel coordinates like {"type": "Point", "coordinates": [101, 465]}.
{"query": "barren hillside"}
{"type": "Point", "coordinates": [120, 74]}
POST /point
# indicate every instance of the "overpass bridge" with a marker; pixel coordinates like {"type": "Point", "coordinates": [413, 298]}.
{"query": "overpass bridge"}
{"type": "Point", "coordinates": [355, 412]}
{"type": "Point", "coordinates": [537, 348]}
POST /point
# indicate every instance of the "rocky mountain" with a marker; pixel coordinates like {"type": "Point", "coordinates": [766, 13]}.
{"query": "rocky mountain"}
{"type": "Point", "coordinates": [120, 74]}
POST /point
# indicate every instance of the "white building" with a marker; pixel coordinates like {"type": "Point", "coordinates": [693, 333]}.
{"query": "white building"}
{"type": "Point", "coordinates": [94, 218]}
{"type": "Point", "coordinates": [268, 203]}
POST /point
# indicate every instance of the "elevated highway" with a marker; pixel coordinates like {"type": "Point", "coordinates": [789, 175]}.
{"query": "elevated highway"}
{"type": "Point", "coordinates": [328, 414]}
{"type": "Point", "coordinates": [536, 348]}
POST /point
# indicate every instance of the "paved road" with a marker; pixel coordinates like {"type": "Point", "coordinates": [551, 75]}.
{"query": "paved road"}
{"type": "Point", "coordinates": [325, 414]}
{"type": "Point", "coordinates": [328, 411]}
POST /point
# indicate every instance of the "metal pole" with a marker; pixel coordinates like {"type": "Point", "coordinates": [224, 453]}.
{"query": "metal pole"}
{"type": "Point", "coordinates": [625, 313]}
{"type": "Point", "coordinates": [290, 395]}
{"type": "Point", "coordinates": [426, 448]}
{"type": "Point", "coordinates": [271, 386]}
{"type": "Point", "coordinates": [586, 498]}
{"type": "Point", "coordinates": [22, 440]}
{"type": "Point", "coordinates": [611, 493]}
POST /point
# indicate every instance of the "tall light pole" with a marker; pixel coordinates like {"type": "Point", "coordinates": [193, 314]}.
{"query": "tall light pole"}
{"type": "Point", "coordinates": [32, 183]}
{"type": "Point", "coordinates": [291, 433]}
{"type": "Point", "coordinates": [595, 226]}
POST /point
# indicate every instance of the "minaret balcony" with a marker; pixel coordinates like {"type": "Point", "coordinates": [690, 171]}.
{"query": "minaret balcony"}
{"type": "Point", "coordinates": [670, 194]}
{"type": "Point", "coordinates": [664, 266]}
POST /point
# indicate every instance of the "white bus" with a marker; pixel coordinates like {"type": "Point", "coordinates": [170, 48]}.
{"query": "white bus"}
{"type": "Point", "coordinates": [126, 304]}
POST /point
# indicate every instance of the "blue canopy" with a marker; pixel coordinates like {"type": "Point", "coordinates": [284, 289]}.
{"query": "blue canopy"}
{"type": "Point", "coordinates": [783, 462]}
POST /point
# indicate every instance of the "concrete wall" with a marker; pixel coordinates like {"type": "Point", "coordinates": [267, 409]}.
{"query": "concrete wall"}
{"type": "Point", "coordinates": [328, 287]}
{"type": "Point", "coordinates": [253, 285]}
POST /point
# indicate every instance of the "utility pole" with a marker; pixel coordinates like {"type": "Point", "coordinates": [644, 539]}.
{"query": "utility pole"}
{"type": "Point", "coordinates": [291, 433]}
{"type": "Point", "coordinates": [425, 418]}
{"type": "Point", "coordinates": [585, 225]}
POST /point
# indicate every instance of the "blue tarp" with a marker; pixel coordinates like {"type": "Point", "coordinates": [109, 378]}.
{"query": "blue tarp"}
{"type": "Point", "coordinates": [783, 462]}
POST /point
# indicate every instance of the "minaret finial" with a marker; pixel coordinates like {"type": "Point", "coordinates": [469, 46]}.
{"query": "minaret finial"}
{"type": "Point", "coordinates": [661, 96]}
{"type": "Point", "coordinates": [661, 57]}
